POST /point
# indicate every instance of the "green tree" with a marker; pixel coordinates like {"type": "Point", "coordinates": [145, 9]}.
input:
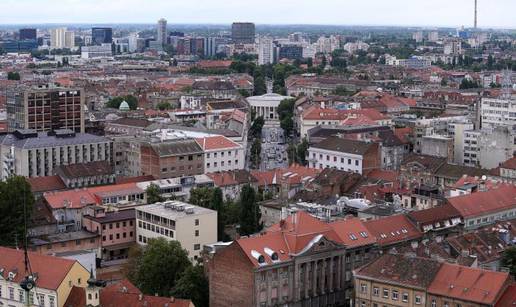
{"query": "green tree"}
{"type": "Point", "coordinates": [201, 197]}
{"type": "Point", "coordinates": [164, 106]}
{"type": "Point", "coordinates": [13, 75]}
{"type": "Point", "coordinates": [467, 84]}
{"type": "Point", "coordinates": [249, 211]}
{"type": "Point", "coordinates": [444, 82]}
{"type": "Point", "coordinates": [193, 285]}
{"type": "Point", "coordinates": [153, 194]}
{"type": "Point", "coordinates": [116, 101]}
{"type": "Point", "coordinates": [286, 114]}
{"type": "Point", "coordinates": [302, 150]}
{"type": "Point", "coordinates": [256, 151]}
{"type": "Point", "coordinates": [244, 93]}
{"type": "Point", "coordinates": [509, 260]}
{"type": "Point", "coordinates": [256, 128]}
{"type": "Point", "coordinates": [158, 266]}
{"type": "Point", "coordinates": [342, 91]}
{"type": "Point", "coordinates": [14, 193]}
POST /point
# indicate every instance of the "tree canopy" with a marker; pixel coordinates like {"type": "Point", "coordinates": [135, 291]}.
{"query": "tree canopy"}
{"type": "Point", "coordinates": [509, 260]}
{"type": "Point", "coordinates": [13, 75]}
{"type": "Point", "coordinates": [153, 194]}
{"type": "Point", "coordinates": [249, 212]}
{"type": "Point", "coordinates": [116, 101]}
{"type": "Point", "coordinates": [14, 193]}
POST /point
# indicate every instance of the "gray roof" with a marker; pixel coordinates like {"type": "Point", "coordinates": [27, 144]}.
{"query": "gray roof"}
{"type": "Point", "coordinates": [44, 140]}
{"type": "Point", "coordinates": [344, 145]}
{"type": "Point", "coordinates": [176, 147]}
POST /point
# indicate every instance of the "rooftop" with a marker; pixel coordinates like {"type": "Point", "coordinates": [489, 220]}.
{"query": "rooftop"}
{"type": "Point", "coordinates": [174, 210]}
{"type": "Point", "coordinates": [481, 203]}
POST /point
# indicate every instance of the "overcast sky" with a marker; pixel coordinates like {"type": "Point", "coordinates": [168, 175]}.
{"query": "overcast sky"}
{"type": "Point", "coordinates": [492, 13]}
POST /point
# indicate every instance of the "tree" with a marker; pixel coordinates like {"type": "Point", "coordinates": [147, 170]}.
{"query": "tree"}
{"type": "Point", "coordinates": [467, 84]}
{"type": "Point", "coordinates": [153, 194]}
{"type": "Point", "coordinates": [14, 193]}
{"type": "Point", "coordinates": [444, 82]}
{"type": "Point", "coordinates": [193, 285]}
{"type": "Point", "coordinates": [116, 101]}
{"type": "Point", "coordinates": [256, 128]}
{"type": "Point", "coordinates": [243, 92]}
{"type": "Point", "coordinates": [509, 260]}
{"type": "Point", "coordinates": [164, 106]}
{"type": "Point", "coordinates": [256, 151]}
{"type": "Point", "coordinates": [286, 114]}
{"type": "Point", "coordinates": [302, 150]}
{"type": "Point", "coordinates": [13, 75]}
{"type": "Point", "coordinates": [342, 91]}
{"type": "Point", "coordinates": [249, 212]}
{"type": "Point", "coordinates": [201, 197]}
{"type": "Point", "coordinates": [158, 266]}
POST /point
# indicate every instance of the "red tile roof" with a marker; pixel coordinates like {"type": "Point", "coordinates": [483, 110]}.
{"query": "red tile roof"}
{"type": "Point", "coordinates": [468, 284]}
{"type": "Point", "coordinates": [216, 143]}
{"type": "Point", "coordinates": [393, 229]}
{"type": "Point", "coordinates": [510, 164]}
{"type": "Point", "coordinates": [230, 178]}
{"type": "Point", "coordinates": [508, 299]}
{"type": "Point", "coordinates": [294, 174]}
{"type": "Point", "coordinates": [124, 293]}
{"type": "Point", "coordinates": [481, 203]}
{"type": "Point", "coordinates": [51, 270]}
{"type": "Point", "coordinates": [45, 184]}
{"type": "Point", "coordinates": [317, 113]}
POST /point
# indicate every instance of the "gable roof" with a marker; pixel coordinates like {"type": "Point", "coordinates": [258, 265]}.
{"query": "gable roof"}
{"type": "Point", "coordinates": [216, 143]}
{"type": "Point", "coordinates": [51, 270]}
{"type": "Point", "coordinates": [497, 199]}
{"type": "Point", "coordinates": [469, 284]}
{"type": "Point", "coordinates": [46, 183]}
{"type": "Point", "coordinates": [393, 229]}
{"type": "Point", "coordinates": [344, 145]}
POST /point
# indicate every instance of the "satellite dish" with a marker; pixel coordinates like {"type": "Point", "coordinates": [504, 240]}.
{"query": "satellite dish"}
{"type": "Point", "coordinates": [484, 177]}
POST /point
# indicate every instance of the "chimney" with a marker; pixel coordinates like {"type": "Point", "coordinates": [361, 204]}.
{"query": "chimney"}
{"type": "Point", "coordinates": [140, 297]}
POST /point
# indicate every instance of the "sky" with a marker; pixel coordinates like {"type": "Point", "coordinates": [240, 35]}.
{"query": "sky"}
{"type": "Point", "coordinates": [454, 13]}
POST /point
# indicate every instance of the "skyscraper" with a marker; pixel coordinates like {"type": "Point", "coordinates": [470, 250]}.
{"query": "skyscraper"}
{"type": "Point", "coordinates": [61, 38]}
{"type": "Point", "coordinates": [28, 34]}
{"type": "Point", "coordinates": [265, 51]}
{"type": "Point", "coordinates": [101, 36]}
{"type": "Point", "coordinates": [162, 31]}
{"type": "Point", "coordinates": [243, 32]}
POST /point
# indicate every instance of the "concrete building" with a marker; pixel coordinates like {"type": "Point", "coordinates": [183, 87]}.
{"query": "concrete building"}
{"type": "Point", "coordinates": [456, 130]}
{"type": "Point", "coordinates": [178, 188]}
{"type": "Point", "coordinates": [453, 47]}
{"type": "Point", "coordinates": [265, 51]}
{"type": "Point", "coordinates": [470, 148]}
{"type": "Point", "coordinates": [100, 36]}
{"type": "Point", "coordinates": [498, 112]}
{"type": "Point", "coordinates": [242, 32]}
{"type": "Point", "coordinates": [343, 154]}
{"type": "Point", "coordinates": [45, 108]}
{"type": "Point", "coordinates": [496, 145]}
{"type": "Point", "coordinates": [162, 31]}
{"type": "Point", "coordinates": [92, 52]}
{"type": "Point", "coordinates": [418, 36]}
{"type": "Point", "coordinates": [192, 226]}
{"type": "Point", "coordinates": [62, 38]}
{"type": "Point", "coordinates": [433, 36]}
{"type": "Point", "coordinates": [32, 154]}
{"type": "Point", "coordinates": [221, 154]}
{"type": "Point", "coordinates": [438, 146]}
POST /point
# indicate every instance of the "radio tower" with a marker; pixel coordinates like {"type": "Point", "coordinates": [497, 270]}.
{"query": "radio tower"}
{"type": "Point", "coordinates": [475, 15]}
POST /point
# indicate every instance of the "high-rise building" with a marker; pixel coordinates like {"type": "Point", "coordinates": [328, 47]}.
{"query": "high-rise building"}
{"type": "Point", "coordinates": [28, 33]}
{"type": "Point", "coordinates": [162, 31]}
{"type": "Point", "coordinates": [101, 36]}
{"type": "Point", "coordinates": [210, 46]}
{"type": "Point", "coordinates": [243, 32]}
{"type": "Point", "coordinates": [417, 36]}
{"type": "Point", "coordinates": [61, 38]}
{"type": "Point", "coordinates": [45, 108]}
{"type": "Point", "coordinates": [433, 36]}
{"type": "Point", "coordinates": [265, 51]}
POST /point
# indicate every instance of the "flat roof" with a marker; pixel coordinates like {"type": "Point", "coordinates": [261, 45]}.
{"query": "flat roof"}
{"type": "Point", "coordinates": [174, 209]}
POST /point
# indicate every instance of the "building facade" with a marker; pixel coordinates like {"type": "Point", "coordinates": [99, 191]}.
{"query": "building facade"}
{"type": "Point", "coordinates": [242, 32]}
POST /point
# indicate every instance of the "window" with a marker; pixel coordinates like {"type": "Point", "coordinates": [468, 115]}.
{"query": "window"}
{"type": "Point", "coordinates": [41, 299]}
{"type": "Point", "coordinates": [385, 293]}
{"type": "Point", "coordinates": [197, 247]}
{"type": "Point", "coordinates": [197, 233]}
{"type": "Point", "coordinates": [363, 288]}
{"type": "Point", "coordinates": [11, 293]}
{"type": "Point", "coordinates": [446, 304]}
{"type": "Point", "coordinates": [21, 295]}
{"type": "Point", "coordinates": [418, 300]}
{"type": "Point", "coordinates": [117, 236]}
{"type": "Point", "coordinates": [395, 295]}
{"type": "Point", "coordinates": [196, 222]}
{"type": "Point", "coordinates": [356, 162]}
{"type": "Point", "coordinates": [124, 224]}
{"type": "Point", "coordinates": [131, 234]}
{"type": "Point", "coordinates": [110, 237]}
{"type": "Point", "coordinates": [124, 235]}
{"type": "Point", "coordinates": [405, 297]}
{"type": "Point", "coordinates": [349, 161]}
{"type": "Point", "coordinates": [51, 301]}
{"type": "Point", "coordinates": [77, 242]}
{"type": "Point", "coordinates": [434, 303]}
{"type": "Point", "coordinates": [362, 303]}
{"type": "Point", "coordinates": [376, 291]}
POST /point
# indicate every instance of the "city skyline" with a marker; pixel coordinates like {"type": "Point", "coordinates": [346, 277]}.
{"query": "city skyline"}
{"type": "Point", "coordinates": [439, 13]}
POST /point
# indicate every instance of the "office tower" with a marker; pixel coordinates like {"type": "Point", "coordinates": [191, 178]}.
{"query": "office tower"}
{"type": "Point", "coordinates": [45, 108]}
{"type": "Point", "coordinates": [243, 32]}
{"type": "Point", "coordinates": [61, 38]}
{"type": "Point", "coordinates": [132, 40]}
{"type": "Point", "coordinates": [210, 46]}
{"type": "Point", "coordinates": [28, 34]}
{"type": "Point", "coordinates": [101, 36]}
{"type": "Point", "coordinates": [418, 36]}
{"type": "Point", "coordinates": [162, 31]}
{"type": "Point", "coordinates": [265, 51]}
{"type": "Point", "coordinates": [433, 36]}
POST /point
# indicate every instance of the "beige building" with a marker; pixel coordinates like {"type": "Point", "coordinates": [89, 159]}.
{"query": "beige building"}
{"type": "Point", "coordinates": [191, 225]}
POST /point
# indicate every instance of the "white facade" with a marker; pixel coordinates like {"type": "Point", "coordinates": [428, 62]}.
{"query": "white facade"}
{"type": "Point", "coordinates": [266, 105]}
{"type": "Point", "coordinates": [11, 294]}
{"type": "Point", "coordinates": [498, 112]}
{"type": "Point", "coordinates": [321, 158]}
{"type": "Point", "coordinates": [418, 36]}
{"type": "Point", "coordinates": [192, 226]}
{"type": "Point", "coordinates": [162, 31]}
{"type": "Point", "coordinates": [433, 36]}
{"type": "Point", "coordinates": [61, 38]}
{"type": "Point", "coordinates": [265, 51]}
{"type": "Point", "coordinates": [224, 159]}
{"type": "Point", "coordinates": [453, 47]}
{"type": "Point", "coordinates": [91, 52]}
{"type": "Point", "coordinates": [354, 47]}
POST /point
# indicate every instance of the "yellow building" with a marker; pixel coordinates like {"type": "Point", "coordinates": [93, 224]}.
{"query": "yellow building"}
{"type": "Point", "coordinates": [54, 278]}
